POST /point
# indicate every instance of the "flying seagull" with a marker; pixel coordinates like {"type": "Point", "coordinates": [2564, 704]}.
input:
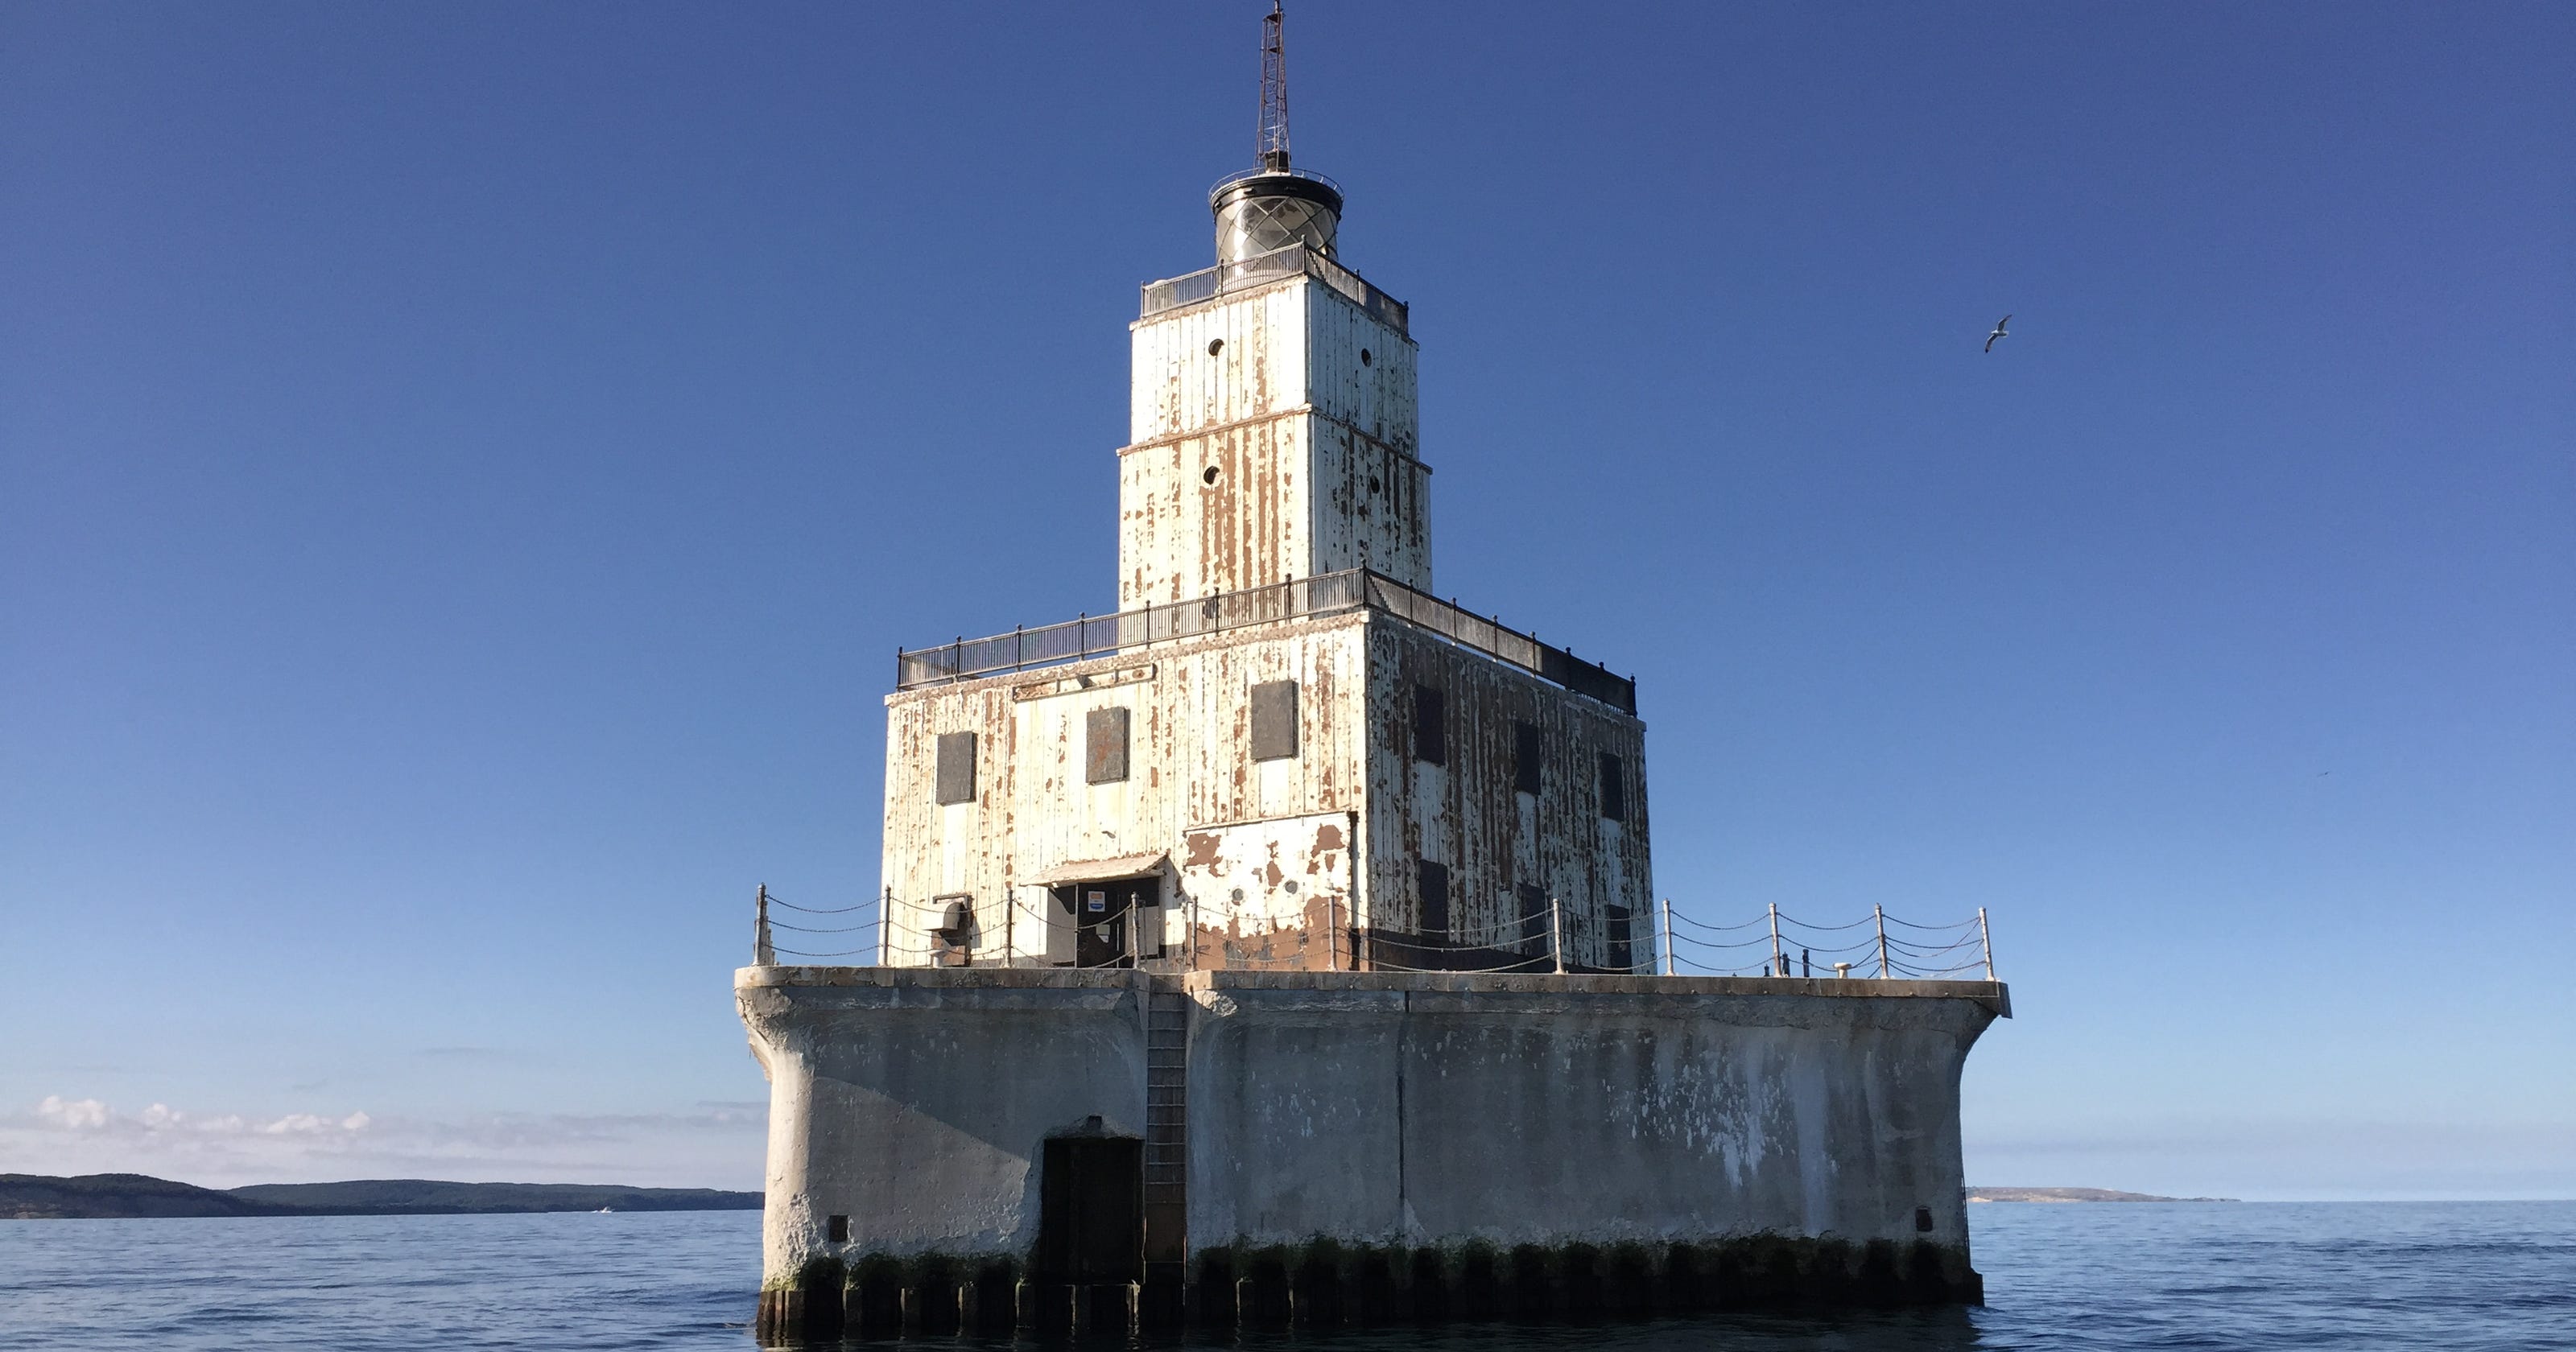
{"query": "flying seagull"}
{"type": "Point", "coordinates": [1998, 333]}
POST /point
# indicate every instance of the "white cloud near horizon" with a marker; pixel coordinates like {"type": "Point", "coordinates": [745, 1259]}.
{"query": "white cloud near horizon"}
{"type": "Point", "coordinates": [718, 1145]}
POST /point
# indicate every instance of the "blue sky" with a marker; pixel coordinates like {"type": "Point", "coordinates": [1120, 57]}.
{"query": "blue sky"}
{"type": "Point", "coordinates": [464, 472]}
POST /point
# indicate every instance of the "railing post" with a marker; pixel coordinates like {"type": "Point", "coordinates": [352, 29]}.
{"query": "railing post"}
{"type": "Point", "coordinates": [762, 955]}
{"type": "Point", "coordinates": [1010, 924]}
{"type": "Point", "coordinates": [1779, 960]}
{"type": "Point", "coordinates": [1668, 935]}
{"type": "Point", "coordinates": [885, 927]}
{"type": "Point", "coordinates": [1986, 938]}
{"type": "Point", "coordinates": [1556, 932]}
{"type": "Point", "coordinates": [1881, 913]}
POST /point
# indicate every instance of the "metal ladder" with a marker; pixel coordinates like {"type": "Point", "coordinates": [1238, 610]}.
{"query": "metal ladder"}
{"type": "Point", "coordinates": [1167, 1130]}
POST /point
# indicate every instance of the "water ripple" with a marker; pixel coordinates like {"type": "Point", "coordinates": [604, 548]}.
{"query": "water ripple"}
{"type": "Point", "coordinates": [2476, 1277]}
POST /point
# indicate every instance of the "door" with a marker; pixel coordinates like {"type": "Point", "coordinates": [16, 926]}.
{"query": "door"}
{"type": "Point", "coordinates": [1091, 1209]}
{"type": "Point", "coordinates": [1102, 918]}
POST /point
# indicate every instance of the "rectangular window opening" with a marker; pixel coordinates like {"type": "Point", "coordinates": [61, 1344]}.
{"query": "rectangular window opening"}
{"type": "Point", "coordinates": [1430, 726]}
{"type": "Point", "coordinates": [836, 1229]}
{"type": "Point", "coordinates": [1435, 902]}
{"type": "Point", "coordinates": [1614, 788]}
{"type": "Point", "coordinates": [1527, 771]}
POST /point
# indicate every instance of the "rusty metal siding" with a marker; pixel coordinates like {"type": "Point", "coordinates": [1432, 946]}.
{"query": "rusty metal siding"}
{"type": "Point", "coordinates": [1277, 454]}
{"type": "Point", "coordinates": [1212, 512]}
{"type": "Point", "coordinates": [1177, 386]}
{"type": "Point", "coordinates": [1190, 768]}
{"type": "Point", "coordinates": [1376, 396]}
{"type": "Point", "coordinates": [1468, 815]}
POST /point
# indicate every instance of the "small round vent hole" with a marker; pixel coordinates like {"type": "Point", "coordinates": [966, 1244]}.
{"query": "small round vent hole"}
{"type": "Point", "coordinates": [1365, 359]}
{"type": "Point", "coordinates": [1208, 475]}
{"type": "Point", "coordinates": [1375, 486]}
{"type": "Point", "coordinates": [1215, 346]}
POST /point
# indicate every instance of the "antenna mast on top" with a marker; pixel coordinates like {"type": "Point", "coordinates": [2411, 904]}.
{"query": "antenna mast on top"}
{"type": "Point", "coordinates": [1271, 147]}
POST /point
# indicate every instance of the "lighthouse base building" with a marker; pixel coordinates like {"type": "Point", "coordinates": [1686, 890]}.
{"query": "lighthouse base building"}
{"type": "Point", "coordinates": [1280, 946]}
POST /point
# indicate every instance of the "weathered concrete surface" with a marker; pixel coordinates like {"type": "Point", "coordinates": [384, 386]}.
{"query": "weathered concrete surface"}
{"type": "Point", "coordinates": [1515, 1110]}
{"type": "Point", "coordinates": [913, 1101]}
{"type": "Point", "coordinates": [1763, 1138]}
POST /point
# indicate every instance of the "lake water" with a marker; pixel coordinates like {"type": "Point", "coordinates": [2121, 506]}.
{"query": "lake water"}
{"type": "Point", "coordinates": [2479, 1277]}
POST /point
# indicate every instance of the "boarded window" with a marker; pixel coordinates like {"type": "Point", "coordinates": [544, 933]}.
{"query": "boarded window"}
{"type": "Point", "coordinates": [1430, 726]}
{"type": "Point", "coordinates": [1435, 900]}
{"type": "Point", "coordinates": [1527, 772]}
{"type": "Point", "coordinates": [1614, 788]}
{"type": "Point", "coordinates": [956, 767]}
{"type": "Point", "coordinates": [1104, 746]}
{"type": "Point", "coordinates": [1274, 720]}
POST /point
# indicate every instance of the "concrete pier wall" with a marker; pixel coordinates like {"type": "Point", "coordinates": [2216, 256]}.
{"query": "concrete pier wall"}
{"type": "Point", "coordinates": [1377, 1142]}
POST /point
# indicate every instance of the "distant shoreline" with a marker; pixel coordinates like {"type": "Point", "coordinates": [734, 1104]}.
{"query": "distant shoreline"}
{"type": "Point", "coordinates": [141, 1196]}
{"type": "Point", "coordinates": [2075, 1195]}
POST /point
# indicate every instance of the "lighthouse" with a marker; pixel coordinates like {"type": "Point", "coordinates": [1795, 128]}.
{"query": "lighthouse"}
{"type": "Point", "coordinates": [1281, 748]}
{"type": "Point", "coordinates": [1275, 944]}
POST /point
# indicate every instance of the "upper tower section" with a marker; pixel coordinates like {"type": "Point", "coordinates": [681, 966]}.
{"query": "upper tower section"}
{"type": "Point", "coordinates": [1272, 423]}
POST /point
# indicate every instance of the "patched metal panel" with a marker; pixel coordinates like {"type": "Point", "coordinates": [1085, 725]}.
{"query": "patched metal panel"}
{"type": "Point", "coordinates": [1274, 720]}
{"type": "Point", "coordinates": [1272, 893]}
{"type": "Point", "coordinates": [1104, 736]}
{"type": "Point", "coordinates": [956, 767]}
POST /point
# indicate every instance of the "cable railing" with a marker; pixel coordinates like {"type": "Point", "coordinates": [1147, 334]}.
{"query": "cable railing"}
{"type": "Point", "coordinates": [1238, 938]}
{"type": "Point", "coordinates": [1325, 594]}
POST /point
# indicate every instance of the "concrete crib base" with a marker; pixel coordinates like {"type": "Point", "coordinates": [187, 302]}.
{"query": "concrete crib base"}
{"type": "Point", "coordinates": [1325, 1284]}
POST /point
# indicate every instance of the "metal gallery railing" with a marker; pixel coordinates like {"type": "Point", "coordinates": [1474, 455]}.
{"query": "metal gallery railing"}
{"type": "Point", "coordinates": [1772, 944]}
{"type": "Point", "coordinates": [1171, 293]}
{"type": "Point", "coordinates": [1127, 631]}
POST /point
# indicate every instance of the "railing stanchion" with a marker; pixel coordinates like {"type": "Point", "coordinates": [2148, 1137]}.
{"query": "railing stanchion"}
{"type": "Point", "coordinates": [762, 955]}
{"type": "Point", "coordinates": [1779, 959]}
{"type": "Point", "coordinates": [885, 928]}
{"type": "Point", "coordinates": [1668, 936]}
{"type": "Point", "coordinates": [1986, 939]}
{"type": "Point", "coordinates": [1010, 923]}
{"type": "Point", "coordinates": [1881, 913]}
{"type": "Point", "coordinates": [1556, 932]}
